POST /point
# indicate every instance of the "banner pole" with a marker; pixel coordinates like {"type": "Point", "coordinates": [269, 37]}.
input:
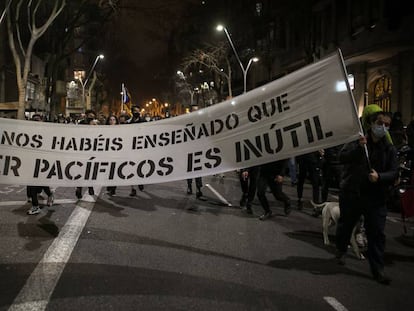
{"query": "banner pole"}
{"type": "Point", "coordinates": [122, 97]}
{"type": "Point", "coordinates": [361, 129]}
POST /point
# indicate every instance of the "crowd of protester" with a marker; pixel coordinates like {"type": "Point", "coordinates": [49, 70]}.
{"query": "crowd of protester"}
{"type": "Point", "coordinates": [401, 134]}
{"type": "Point", "coordinates": [360, 172]}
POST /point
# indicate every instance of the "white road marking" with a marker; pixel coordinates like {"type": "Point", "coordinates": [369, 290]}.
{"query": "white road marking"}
{"type": "Point", "coordinates": [222, 199]}
{"type": "Point", "coordinates": [12, 188]}
{"type": "Point", "coordinates": [58, 201]}
{"type": "Point", "coordinates": [335, 304]}
{"type": "Point", "coordinates": [36, 293]}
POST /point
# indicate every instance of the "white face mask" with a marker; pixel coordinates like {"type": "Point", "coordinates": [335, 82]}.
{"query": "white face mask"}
{"type": "Point", "coordinates": [379, 130]}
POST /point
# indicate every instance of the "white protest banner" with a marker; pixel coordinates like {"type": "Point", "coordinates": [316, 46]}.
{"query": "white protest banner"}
{"type": "Point", "coordinates": [307, 110]}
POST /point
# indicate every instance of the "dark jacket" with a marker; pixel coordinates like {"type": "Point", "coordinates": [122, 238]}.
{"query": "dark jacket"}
{"type": "Point", "coordinates": [135, 120]}
{"type": "Point", "coordinates": [331, 155]}
{"type": "Point", "coordinates": [311, 158]}
{"type": "Point", "coordinates": [383, 158]}
{"type": "Point", "coordinates": [274, 168]}
{"type": "Point", "coordinates": [249, 169]}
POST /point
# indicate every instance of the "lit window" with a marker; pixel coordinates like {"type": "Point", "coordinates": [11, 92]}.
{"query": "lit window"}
{"type": "Point", "coordinates": [79, 74]}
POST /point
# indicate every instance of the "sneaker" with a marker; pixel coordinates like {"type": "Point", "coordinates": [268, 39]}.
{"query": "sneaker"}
{"type": "Point", "coordinates": [266, 215]}
{"type": "Point", "coordinates": [141, 187]}
{"type": "Point", "coordinates": [78, 193]}
{"type": "Point", "coordinates": [133, 193]}
{"type": "Point", "coordinates": [33, 210]}
{"type": "Point", "coordinates": [288, 209]}
{"type": "Point", "coordinates": [50, 200]}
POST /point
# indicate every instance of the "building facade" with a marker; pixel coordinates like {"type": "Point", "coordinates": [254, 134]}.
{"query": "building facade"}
{"type": "Point", "coordinates": [376, 38]}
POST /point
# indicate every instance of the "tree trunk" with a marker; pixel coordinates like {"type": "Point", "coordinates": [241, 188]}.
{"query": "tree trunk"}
{"type": "Point", "coordinates": [24, 56]}
{"type": "Point", "coordinates": [22, 103]}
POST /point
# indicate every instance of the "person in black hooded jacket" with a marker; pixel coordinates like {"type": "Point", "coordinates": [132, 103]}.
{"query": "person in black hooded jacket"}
{"type": "Point", "coordinates": [363, 190]}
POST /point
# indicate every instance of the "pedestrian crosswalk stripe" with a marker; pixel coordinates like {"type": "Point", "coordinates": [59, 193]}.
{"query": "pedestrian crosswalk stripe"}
{"type": "Point", "coordinates": [40, 285]}
{"type": "Point", "coordinates": [335, 304]}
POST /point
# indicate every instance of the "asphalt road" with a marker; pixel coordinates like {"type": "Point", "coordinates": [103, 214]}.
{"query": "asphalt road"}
{"type": "Point", "coordinates": [166, 250]}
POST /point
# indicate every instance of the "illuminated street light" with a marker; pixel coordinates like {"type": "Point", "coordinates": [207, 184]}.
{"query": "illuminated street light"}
{"type": "Point", "coordinates": [101, 56]}
{"type": "Point", "coordinates": [84, 83]}
{"type": "Point", "coordinates": [244, 70]}
{"type": "Point", "coordinates": [251, 60]}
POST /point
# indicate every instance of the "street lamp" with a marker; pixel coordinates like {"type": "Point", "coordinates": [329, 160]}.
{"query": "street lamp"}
{"type": "Point", "coordinates": [83, 83]}
{"type": "Point", "coordinates": [244, 70]}
{"type": "Point", "coordinates": [100, 56]}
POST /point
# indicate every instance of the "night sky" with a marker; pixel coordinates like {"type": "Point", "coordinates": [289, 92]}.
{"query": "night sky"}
{"type": "Point", "coordinates": [136, 46]}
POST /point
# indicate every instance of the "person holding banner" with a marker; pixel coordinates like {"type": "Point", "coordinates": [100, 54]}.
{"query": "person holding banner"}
{"type": "Point", "coordinates": [90, 119]}
{"type": "Point", "coordinates": [33, 191]}
{"type": "Point", "coordinates": [136, 118]}
{"type": "Point", "coordinates": [271, 175]}
{"type": "Point", "coordinates": [123, 118]}
{"type": "Point", "coordinates": [112, 120]}
{"type": "Point", "coordinates": [370, 168]}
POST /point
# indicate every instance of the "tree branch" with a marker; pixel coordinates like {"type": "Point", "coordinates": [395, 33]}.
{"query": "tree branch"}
{"type": "Point", "coordinates": [13, 50]}
{"type": "Point", "coordinates": [57, 8]}
{"type": "Point", "coordinates": [17, 17]}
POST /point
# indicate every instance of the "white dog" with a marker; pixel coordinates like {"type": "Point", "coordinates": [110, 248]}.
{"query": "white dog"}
{"type": "Point", "coordinates": [330, 216]}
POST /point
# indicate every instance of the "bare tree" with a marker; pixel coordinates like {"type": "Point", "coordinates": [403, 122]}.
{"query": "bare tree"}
{"type": "Point", "coordinates": [81, 22]}
{"type": "Point", "coordinates": [21, 45]}
{"type": "Point", "coordinates": [184, 88]}
{"type": "Point", "coordinates": [213, 58]}
{"type": "Point", "coordinates": [5, 11]}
